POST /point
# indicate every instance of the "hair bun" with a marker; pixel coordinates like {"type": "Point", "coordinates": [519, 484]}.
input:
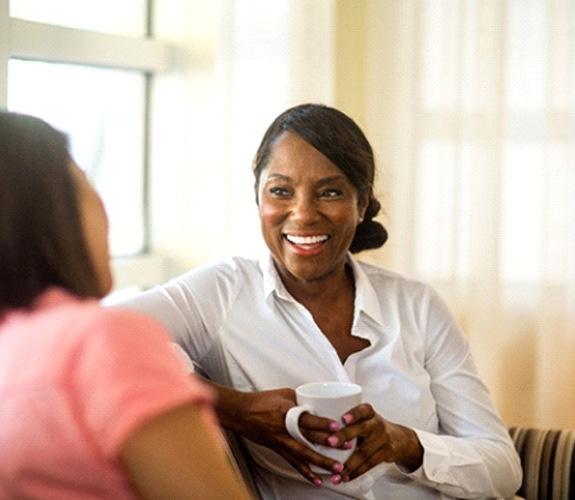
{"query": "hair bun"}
{"type": "Point", "coordinates": [369, 234]}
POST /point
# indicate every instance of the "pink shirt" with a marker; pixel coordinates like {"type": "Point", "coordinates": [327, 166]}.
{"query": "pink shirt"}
{"type": "Point", "coordinates": [75, 381]}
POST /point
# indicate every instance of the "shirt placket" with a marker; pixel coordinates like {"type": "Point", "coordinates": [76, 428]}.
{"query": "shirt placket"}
{"type": "Point", "coordinates": [324, 346]}
{"type": "Point", "coordinates": [361, 329]}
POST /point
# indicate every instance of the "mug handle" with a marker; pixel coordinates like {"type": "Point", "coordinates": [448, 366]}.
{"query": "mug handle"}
{"type": "Point", "coordinates": [292, 424]}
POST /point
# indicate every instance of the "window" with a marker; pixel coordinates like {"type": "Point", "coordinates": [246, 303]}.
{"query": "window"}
{"type": "Point", "coordinates": [86, 68]}
{"type": "Point", "coordinates": [104, 111]}
{"type": "Point", "coordinates": [129, 16]}
{"type": "Point", "coordinates": [494, 132]}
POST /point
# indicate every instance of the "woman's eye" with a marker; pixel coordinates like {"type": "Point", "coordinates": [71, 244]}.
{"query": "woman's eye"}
{"type": "Point", "coordinates": [279, 191]}
{"type": "Point", "coordinates": [331, 193]}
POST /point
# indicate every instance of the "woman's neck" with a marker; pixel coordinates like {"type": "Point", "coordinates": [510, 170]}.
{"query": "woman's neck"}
{"type": "Point", "coordinates": [326, 290]}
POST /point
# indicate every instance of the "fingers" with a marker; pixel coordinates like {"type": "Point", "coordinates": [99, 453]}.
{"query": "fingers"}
{"type": "Point", "coordinates": [363, 465]}
{"type": "Point", "coordinates": [306, 456]}
{"type": "Point", "coordinates": [370, 453]}
{"type": "Point", "coordinates": [317, 437]}
{"type": "Point", "coordinates": [302, 467]}
{"type": "Point", "coordinates": [363, 411]}
{"type": "Point", "coordinates": [358, 422]}
{"type": "Point", "coordinates": [373, 440]}
{"type": "Point", "coordinates": [332, 433]}
{"type": "Point", "coordinates": [318, 429]}
{"type": "Point", "coordinates": [314, 423]}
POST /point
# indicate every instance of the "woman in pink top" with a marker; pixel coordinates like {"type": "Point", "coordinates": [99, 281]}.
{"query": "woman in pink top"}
{"type": "Point", "coordinates": [93, 403]}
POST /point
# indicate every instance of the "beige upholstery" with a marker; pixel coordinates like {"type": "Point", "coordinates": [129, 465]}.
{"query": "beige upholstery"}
{"type": "Point", "coordinates": [548, 463]}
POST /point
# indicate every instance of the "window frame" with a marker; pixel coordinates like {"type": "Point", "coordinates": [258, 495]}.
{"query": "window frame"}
{"type": "Point", "coordinates": [27, 40]}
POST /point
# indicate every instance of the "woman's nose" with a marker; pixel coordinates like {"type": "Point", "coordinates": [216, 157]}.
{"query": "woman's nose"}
{"type": "Point", "coordinates": [305, 209]}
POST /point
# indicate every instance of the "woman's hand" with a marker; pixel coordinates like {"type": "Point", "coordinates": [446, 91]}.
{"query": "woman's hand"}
{"type": "Point", "coordinates": [378, 440]}
{"type": "Point", "coordinates": [260, 417]}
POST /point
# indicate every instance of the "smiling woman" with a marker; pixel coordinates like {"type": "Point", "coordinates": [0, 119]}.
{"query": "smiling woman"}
{"type": "Point", "coordinates": [309, 211]}
{"type": "Point", "coordinates": [334, 138]}
{"type": "Point", "coordinates": [308, 311]}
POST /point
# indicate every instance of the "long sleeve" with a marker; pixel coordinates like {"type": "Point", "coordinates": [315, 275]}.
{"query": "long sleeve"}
{"type": "Point", "coordinates": [175, 307]}
{"type": "Point", "coordinates": [472, 456]}
{"type": "Point", "coordinates": [192, 308]}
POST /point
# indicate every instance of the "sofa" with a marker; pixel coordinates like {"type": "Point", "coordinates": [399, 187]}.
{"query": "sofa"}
{"type": "Point", "coordinates": [548, 460]}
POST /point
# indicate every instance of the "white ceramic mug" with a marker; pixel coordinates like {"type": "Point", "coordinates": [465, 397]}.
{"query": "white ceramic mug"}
{"type": "Point", "coordinates": [324, 399]}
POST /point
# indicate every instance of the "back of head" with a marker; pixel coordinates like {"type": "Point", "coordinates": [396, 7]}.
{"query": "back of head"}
{"type": "Point", "coordinates": [41, 238]}
{"type": "Point", "coordinates": [339, 138]}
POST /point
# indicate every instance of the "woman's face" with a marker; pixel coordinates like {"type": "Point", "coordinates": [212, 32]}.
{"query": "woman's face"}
{"type": "Point", "coordinates": [95, 226]}
{"type": "Point", "coordinates": [308, 208]}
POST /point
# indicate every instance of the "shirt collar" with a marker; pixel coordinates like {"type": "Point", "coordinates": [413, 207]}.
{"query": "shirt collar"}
{"type": "Point", "coordinates": [272, 280]}
{"type": "Point", "coordinates": [366, 300]}
{"type": "Point", "coordinates": [365, 296]}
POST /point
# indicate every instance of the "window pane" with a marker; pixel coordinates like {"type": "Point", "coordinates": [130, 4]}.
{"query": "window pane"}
{"type": "Point", "coordinates": [102, 111]}
{"type": "Point", "coordinates": [526, 55]}
{"type": "Point", "coordinates": [127, 17]}
{"type": "Point", "coordinates": [434, 215]}
{"type": "Point", "coordinates": [440, 54]}
{"type": "Point", "coordinates": [522, 215]}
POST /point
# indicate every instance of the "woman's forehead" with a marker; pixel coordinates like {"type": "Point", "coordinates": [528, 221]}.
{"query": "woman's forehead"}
{"type": "Point", "coordinates": [291, 153]}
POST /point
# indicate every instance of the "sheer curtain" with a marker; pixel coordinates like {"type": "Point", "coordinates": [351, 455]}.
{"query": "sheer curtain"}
{"type": "Point", "coordinates": [266, 60]}
{"type": "Point", "coordinates": [471, 105]}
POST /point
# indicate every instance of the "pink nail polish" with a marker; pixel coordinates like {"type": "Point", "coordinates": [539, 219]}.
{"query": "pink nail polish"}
{"type": "Point", "coordinates": [335, 479]}
{"type": "Point", "coordinates": [345, 479]}
{"type": "Point", "coordinates": [318, 482]}
{"type": "Point", "coordinates": [334, 427]}
{"type": "Point", "coordinates": [337, 468]}
{"type": "Point", "coordinates": [347, 418]}
{"type": "Point", "coordinates": [348, 445]}
{"type": "Point", "coordinates": [333, 441]}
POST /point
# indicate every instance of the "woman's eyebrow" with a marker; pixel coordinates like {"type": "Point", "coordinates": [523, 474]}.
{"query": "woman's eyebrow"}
{"type": "Point", "coordinates": [279, 177]}
{"type": "Point", "coordinates": [321, 182]}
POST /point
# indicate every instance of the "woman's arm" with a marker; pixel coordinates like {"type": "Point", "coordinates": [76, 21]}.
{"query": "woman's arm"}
{"type": "Point", "coordinates": [471, 455]}
{"type": "Point", "coordinates": [178, 455]}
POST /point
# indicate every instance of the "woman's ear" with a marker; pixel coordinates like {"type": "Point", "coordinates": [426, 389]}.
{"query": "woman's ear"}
{"type": "Point", "coordinates": [362, 203]}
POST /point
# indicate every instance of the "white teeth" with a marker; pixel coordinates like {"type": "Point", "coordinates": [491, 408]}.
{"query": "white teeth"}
{"type": "Point", "coordinates": [306, 240]}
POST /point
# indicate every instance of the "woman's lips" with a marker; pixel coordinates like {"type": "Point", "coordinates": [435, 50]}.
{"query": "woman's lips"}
{"type": "Point", "coordinates": [306, 245]}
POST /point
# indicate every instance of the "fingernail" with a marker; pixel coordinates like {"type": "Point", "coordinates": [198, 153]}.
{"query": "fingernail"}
{"type": "Point", "coordinates": [333, 441]}
{"type": "Point", "coordinates": [347, 418]}
{"type": "Point", "coordinates": [348, 445]}
{"type": "Point", "coordinates": [335, 479]}
{"type": "Point", "coordinates": [334, 426]}
{"type": "Point", "coordinates": [318, 482]}
{"type": "Point", "coordinates": [337, 468]}
{"type": "Point", "coordinates": [345, 479]}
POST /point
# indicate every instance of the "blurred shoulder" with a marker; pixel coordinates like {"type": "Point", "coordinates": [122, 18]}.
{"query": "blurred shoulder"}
{"type": "Point", "coordinates": [67, 321]}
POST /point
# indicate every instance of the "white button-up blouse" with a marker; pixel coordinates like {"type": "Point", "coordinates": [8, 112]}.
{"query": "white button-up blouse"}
{"type": "Point", "coordinates": [239, 324]}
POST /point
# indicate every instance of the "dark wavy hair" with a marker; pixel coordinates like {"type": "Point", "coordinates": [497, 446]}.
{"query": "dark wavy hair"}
{"type": "Point", "coordinates": [42, 242]}
{"type": "Point", "coordinates": [339, 138]}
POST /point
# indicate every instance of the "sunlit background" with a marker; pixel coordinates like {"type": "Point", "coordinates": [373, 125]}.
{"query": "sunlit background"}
{"type": "Point", "coordinates": [469, 104]}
